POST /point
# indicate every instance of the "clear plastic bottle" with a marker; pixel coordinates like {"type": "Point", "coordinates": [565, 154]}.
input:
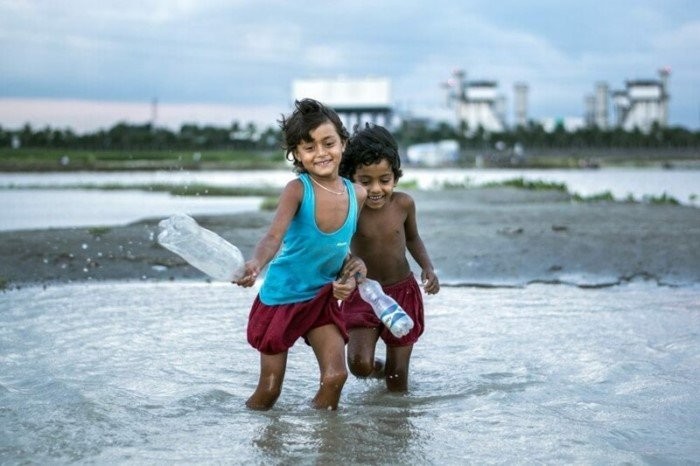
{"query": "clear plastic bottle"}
{"type": "Point", "coordinates": [201, 248]}
{"type": "Point", "coordinates": [387, 309]}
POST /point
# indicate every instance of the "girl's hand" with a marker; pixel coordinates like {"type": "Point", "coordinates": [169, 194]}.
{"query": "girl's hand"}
{"type": "Point", "coordinates": [351, 268]}
{"type": "Point", "coordinates": [431, 285]}
{"type": "Point", "coordinates": [342, 290]}
{"type": "Point", "coordinates": [252, 270]}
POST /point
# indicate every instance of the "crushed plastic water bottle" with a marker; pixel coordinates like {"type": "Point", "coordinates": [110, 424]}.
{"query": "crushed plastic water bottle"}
{"type": "Point", "coordinates": [386, 308]}
{"type": "Point", "coordinates": [201, 248]}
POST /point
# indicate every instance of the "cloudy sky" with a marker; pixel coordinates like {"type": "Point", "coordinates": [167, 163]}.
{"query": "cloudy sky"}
{"type": "Point", "coordinates": [87, 63]}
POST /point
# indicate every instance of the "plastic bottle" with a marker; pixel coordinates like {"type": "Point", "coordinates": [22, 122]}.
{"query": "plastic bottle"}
{"type": "Point", "coordinates": [387, 309]}
{"type": "Point", "coordinates": [201, 248]}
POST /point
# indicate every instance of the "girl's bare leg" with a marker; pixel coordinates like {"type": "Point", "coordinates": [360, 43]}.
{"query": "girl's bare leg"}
{"type": "Point", "coordinates": [361, 346]}
{"type": "Point", "coordinates": [272, 368]}
{"type": "Point", "coordinates": [329, 348]}
{"type": "Point", "coordinates": [397, 360]}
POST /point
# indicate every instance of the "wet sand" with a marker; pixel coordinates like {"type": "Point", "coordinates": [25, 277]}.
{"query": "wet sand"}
{"type": "Point", "coordinates": [477, 237]}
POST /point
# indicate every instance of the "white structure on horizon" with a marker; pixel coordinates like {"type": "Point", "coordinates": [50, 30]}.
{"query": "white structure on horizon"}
{"type": "Point", "coordinates": [597, 107]}
{"type": "Point", "coordinates": [477, 103]}
{"type": "Point", "coordinates": [643, 103]}
{"type": "Point", "coordinates": [520, 90]}
{"type": "Point", "coordinates": [355, 100]}
{"type": "Point", "coordinates": [433, 154]}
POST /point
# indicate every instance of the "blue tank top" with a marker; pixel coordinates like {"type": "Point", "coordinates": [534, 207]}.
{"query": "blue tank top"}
{"type": "Point", "coordinates": [308, 258]}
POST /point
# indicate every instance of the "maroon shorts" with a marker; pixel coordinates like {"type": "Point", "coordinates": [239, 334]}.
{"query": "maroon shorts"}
{"type": "Point", "coordinates": [357, 313]}
{"type": "Point", "coordinates": [275, 329]}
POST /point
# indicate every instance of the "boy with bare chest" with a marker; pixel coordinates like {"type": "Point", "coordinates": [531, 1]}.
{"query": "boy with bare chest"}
{"type": "Point", "coordinates": [386, 229]}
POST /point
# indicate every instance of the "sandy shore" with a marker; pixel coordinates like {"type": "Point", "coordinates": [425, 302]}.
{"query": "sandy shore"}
{"type": "Point", "coordinates": [480, 237]}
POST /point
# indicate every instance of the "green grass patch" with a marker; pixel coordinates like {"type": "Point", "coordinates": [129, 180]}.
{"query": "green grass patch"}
{"type": "Point", "coordinates": [99, 231]}
{"type": "Point", "coordinates": [662, 199]}
{"type": "Point", "coordinates": [408, 184]}
{"type": "Point", "coordinates": [521, 183]}
{"type": "Point", "coordinates": [605, 196]}
{"type": "Point", "coordinates": [176, 190]}
{"type": "Point", "coordinates": [553, 161]}
{"type": "Point", "coordinates": [465, 184]}
{"type": "Point", "coordinates": [51, 159]}
{"type": "Point", "coordinates": [205, 190]}
{"type": "Point", "coordinates": [270, 203]}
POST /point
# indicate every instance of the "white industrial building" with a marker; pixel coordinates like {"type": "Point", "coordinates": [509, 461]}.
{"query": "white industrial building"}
{"type": "Point", "coordinates": [643, 103]}
{"type": "Point", "coordinates": [433, 154]}
{"type": "Point", "coordinates": [356, 100]}
{"type": "Point", "coordinates": [477, 103]}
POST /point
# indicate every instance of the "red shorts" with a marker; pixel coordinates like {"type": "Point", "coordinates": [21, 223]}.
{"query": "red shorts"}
{"type": "Point", "coordinates": [357, 313]}
{"type": "Point", "coordinates": [275, 329]}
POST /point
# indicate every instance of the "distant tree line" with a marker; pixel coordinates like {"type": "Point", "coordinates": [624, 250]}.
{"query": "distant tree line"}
{"type": "Point", "coordinates": [125, 136]}
{"type": "Point", "coordinates": [535, 135]}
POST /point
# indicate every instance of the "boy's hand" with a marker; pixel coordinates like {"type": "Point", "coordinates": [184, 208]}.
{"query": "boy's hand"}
{"type": "Point", "coordinates": [351, 268]}
{"type": "Point", "coordinates": [431, 285]}
{"type": "Point", "coordinates": [342, 290]}
{"type": "Point", "coordinates": [252, 270]}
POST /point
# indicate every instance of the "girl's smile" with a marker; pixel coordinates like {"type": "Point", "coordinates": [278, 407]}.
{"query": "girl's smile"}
{"type": "Point", "coordinates": [321, 155]}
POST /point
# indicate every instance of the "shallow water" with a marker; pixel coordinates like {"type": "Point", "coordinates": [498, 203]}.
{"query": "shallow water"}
{"type": "Point", "coordinates": [67, 208]}
{"type": "Point", "coordinates": [680, 183]}
{"type": "Point", "coordinates": [159, 372]}
{"type": "Point", "coordinates": [42, 200]}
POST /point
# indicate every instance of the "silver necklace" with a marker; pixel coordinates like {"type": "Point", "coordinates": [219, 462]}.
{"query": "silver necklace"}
{"type": "Point", "coordinates": [327, 189]}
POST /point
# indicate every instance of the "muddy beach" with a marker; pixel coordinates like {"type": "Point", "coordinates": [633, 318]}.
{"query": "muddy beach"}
{"type": "Point", "coordinates": [476, 237]}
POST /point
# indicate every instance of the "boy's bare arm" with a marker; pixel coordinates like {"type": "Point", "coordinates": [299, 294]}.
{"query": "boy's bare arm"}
{"type": "Point", "coordinates": [415, 246]}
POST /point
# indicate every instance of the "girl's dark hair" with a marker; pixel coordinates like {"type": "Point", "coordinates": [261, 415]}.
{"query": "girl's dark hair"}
{"type": "Point", "coordinates": [368, 146]}
{"type": "Point", "coordinates": [308, 114]}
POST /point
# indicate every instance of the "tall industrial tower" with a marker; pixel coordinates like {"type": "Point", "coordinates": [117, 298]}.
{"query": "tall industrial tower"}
{"type": "Point", "coordinates": [521, 104]}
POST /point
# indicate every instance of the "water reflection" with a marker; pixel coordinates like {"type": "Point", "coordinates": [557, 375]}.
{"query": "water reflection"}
{"type": "Point", "coordinates": [356, 434]}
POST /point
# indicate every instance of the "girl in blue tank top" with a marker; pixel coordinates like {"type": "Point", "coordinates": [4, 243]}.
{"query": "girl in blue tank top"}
{"type": "Point", "coordinates": [306, 246]}
{"type": "Point", "coordinates": [310, 257]}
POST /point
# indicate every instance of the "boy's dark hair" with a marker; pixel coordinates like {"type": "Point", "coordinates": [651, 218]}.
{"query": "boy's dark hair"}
{"type": "Point", "coordinates": [368, 146]}
{"type": "Point", "coordinates": [308, 114]}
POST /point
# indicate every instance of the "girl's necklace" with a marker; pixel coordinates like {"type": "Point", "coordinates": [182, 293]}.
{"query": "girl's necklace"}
{"type": "Point", "coordinates": [327, 189]}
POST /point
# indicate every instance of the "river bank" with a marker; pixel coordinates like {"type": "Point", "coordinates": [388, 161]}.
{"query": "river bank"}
{"type": "Point", "coordinates": [476, 237]}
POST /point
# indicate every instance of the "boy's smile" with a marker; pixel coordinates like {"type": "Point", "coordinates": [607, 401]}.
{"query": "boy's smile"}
{"type": "Point", "coordinates": [378, 180]}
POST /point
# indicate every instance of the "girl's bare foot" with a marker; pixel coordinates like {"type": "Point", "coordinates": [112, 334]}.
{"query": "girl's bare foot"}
{"type": "Point", "coordinates": [261, 401]}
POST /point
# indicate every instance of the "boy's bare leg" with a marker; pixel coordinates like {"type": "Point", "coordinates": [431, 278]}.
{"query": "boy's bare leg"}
{"type": "Point", "coordinates": [361, 346]}
{"type": "Point", "coordinates": [397, 360]}
{"type": "Point", "coordinates": [272, 368]}
{"type": "Point", "coordinates": [329, 348]}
